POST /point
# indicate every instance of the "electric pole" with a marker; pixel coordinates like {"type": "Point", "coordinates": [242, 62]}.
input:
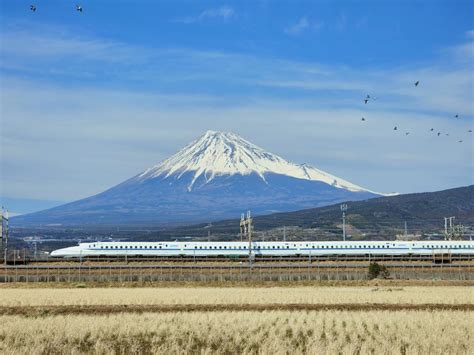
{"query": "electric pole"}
{"type": "Point", "coordinates": [343, 210]}
{"type": "Point", "coordinates": [446, 234]}
{"type": "Point", "coordinates": [242, 227]}
{"type": "Point", "coordinates": [249, 232]}
{"type": "Point", "coordinates": [5, 234]}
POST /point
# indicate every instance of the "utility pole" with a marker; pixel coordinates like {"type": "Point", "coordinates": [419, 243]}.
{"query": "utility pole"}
{"type": "Point", "coordinates": [249, 231]}
{"type": "Point", "coordinates": [284, 233]}
{"type": "Point", "coordinates": [242, 227]}
{"type": "Point", "coordinates": [343, 210]}
{"type": "Point", "coordinates": [406, 232]}
{"type": "Point", "coordinates": [5, 234]}
{"type": "Point", "coordinates": [446, 234]}
{"type": "Point", "coordinates": [209, 231]}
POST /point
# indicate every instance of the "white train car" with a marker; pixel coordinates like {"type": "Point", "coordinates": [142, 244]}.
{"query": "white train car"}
{"type": "Point", "coordinates": [101, 249]}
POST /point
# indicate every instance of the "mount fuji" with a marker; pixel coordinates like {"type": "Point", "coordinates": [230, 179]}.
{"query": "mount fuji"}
{"type": "Point", "coordinates": [217, 176]}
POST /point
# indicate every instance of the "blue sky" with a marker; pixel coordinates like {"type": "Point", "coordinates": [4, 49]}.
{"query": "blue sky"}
{"type": "Point", "coordinates": [90, 99]}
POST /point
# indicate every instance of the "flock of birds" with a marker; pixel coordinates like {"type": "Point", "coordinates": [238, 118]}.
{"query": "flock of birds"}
{"type": "Point", "coordinates": [368, 98]}
{"type": "Point", "coordinates": [78, 8]}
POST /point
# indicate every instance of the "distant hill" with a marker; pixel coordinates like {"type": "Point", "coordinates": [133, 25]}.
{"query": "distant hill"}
{"type": "Point", "coordinates": [382, 217]}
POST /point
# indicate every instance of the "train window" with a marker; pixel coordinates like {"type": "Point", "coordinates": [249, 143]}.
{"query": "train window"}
{"type": "Point", "coordinates": [195, 247]}
{"type": "Point", "coordinates": [220, 247]}
{"type": "Point", "coordinates": [225, 247]}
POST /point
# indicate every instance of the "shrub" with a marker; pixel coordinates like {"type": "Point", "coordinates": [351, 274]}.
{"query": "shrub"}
{"type": "Point", "coordinates": [376, 270]}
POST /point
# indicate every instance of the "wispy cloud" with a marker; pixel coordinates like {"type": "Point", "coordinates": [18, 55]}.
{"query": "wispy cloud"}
{"type": "Point", "coordinates": [116, 130]}
{"type": "Point", "coordinates": [341, 22]}
{"type": "Point", "coordinates": [43, 45]}
{"type": "Point", "coordinates": [464, 52]}
{"type": "Point", "coordinates": [223, 13]}
{"type": "Point", "coordinates": [303, 25]}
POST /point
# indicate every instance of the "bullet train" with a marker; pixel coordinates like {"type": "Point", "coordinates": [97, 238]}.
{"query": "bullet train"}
{"type": "Point", "coordinates": [100, 249]}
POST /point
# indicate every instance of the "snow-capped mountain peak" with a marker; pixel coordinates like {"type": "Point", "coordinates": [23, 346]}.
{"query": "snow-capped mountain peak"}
{"type": "Point", "coordinates": [224, 153]}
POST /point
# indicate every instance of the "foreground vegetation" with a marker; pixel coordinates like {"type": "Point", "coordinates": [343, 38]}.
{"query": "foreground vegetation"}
{"type": "Point", "coordinates": [274, 332]}
{"type": "Point", "coordinates": [377, 319]}
{"type": "Point", "coordinates": [237, 295]}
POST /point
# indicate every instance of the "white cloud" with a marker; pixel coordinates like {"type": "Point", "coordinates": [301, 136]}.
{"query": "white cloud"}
{"type": "Point", "coordinates": [303, 25]}
{"type": "Point", "coordinates": [223, 13]}
{"type": "Point", "coordinates": [36, 47]}
{"type": "Point", "coordinates": [470, 34]}
{"type": "Point", "coordinates": [80, 138]}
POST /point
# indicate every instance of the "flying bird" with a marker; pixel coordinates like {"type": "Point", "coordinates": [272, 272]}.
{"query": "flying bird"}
{"type": "Point", "coordinates": [439, 133]}
{"type": "Point", "coordinates": [470, 131]}
{"type": "Point", "coordinates": [456, 116]}
{"type": "Point", "coordinates": [447, 134]}
{"type": "Point", "coordinates": [417, 82]}
{"type": "Point", "coordinates": [79, 8]}
{"type": "Point", "coordinates": [460, 141]}
{"type": "Point", "coordinates": [432, 129]}
{"type": "Point", "coordinates": [406, 134]}
{"type": "Point", "coordinates": [366, 100]}
{"type": "Point", "coordinates": [363, 119]}
{"type": "Point", "coordinates": [33, 8]}
{"type": "Point", "coordinates": [395, 128]}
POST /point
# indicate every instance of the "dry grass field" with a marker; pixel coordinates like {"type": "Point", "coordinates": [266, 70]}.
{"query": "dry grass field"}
{"type": "Point", "coordinates": [249, 320]}
{"type": "Point", "coordinates": [236, 295]}
{"type": "Point", "coordinates": [274, 332]}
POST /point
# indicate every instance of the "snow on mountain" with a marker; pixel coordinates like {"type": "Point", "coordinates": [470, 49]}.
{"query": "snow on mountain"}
{"type": "Point", "coordinates": [222, 153]}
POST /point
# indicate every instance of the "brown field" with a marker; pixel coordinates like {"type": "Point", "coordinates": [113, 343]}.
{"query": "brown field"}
{"type": "Point", "coordinates": [271, 332]}
{"type": "Point", "coordinates": [365, 319]}
{"type": "Point", "coordinates": [236, 295]}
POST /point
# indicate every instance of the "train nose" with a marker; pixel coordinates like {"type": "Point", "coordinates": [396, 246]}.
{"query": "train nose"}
{"type": "Point", "coordinates": [56, 253]}
{"type": "Point", "coordinates": [60, 252]}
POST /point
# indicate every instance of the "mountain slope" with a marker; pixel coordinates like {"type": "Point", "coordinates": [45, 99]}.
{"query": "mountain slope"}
{"type": "Point", "coordinates": [217, 176]}
{"type": "Point", "coordinates": [381, 217]}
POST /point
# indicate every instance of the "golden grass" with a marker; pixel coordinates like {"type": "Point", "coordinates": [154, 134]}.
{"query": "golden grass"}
{"type": "Point", "coordinates": [237, 295]}
{"type": "Point", "coordinates": [273, 332]}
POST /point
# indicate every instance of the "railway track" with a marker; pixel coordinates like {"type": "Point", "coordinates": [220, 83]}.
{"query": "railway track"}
{"type": "Point", "coordinates": [305, 266]}
{"type": "Point", "coordinates": [269, 259]}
